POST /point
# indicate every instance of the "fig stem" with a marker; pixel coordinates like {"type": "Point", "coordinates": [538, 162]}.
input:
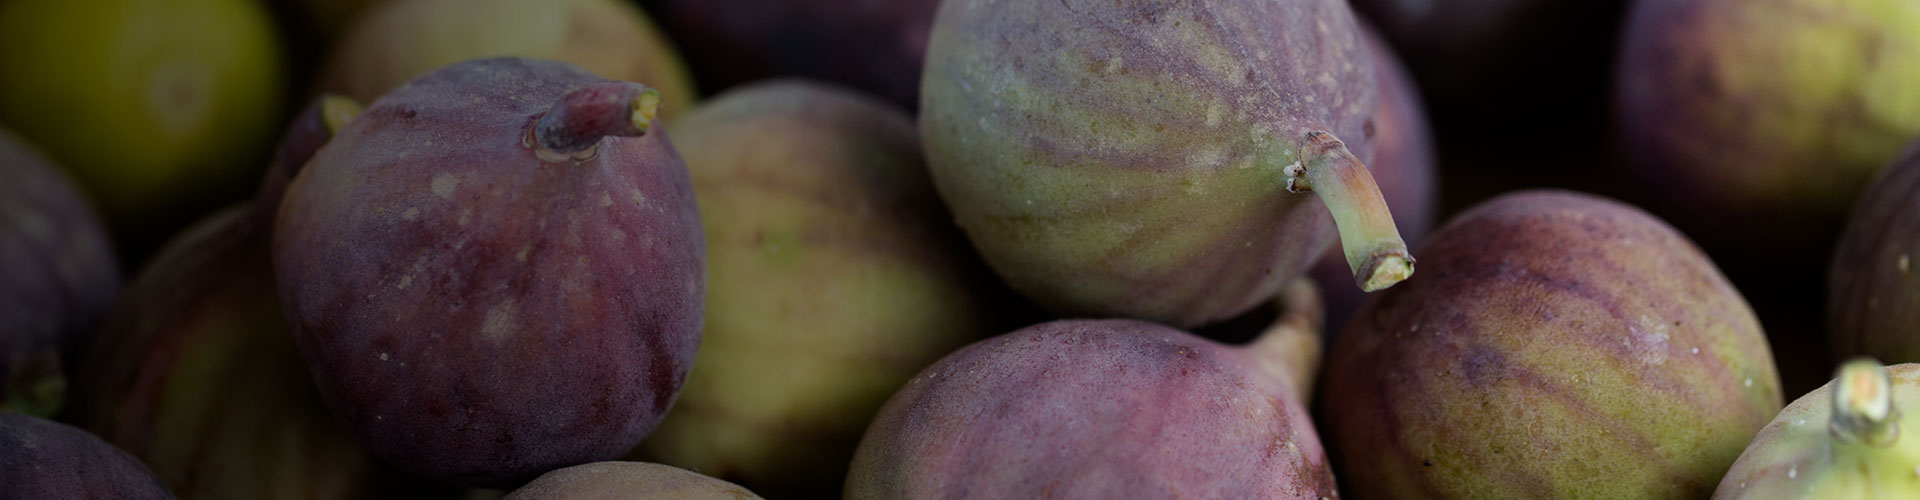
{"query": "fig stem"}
{"type": "Point", "coordinates": [1863, 411]}
{"type": "Point", "coordinates": [1290, 347]}
{"type": "Point", "coordinates": [577, 122]}
{"type": "Point", "coordinates": [1372, 245]}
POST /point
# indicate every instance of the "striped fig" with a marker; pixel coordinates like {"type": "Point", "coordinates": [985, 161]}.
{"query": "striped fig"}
{"type": "Point", "coordinates": [1849, 439]}
{"type": "Point", "coordinates": [1150, 159]}
{"type": "Point", "coordinates": [1874, 300]}
{"type": "Point", "coordinates": [1561, 346]}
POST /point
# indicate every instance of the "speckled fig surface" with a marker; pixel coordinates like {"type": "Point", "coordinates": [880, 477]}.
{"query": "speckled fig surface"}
{"type": "Point", "coordinates": [58, 277]}
{"type": "Point", "coordinates": [1151, 160]}
{"type": "Point", "coordinates": [1556, 345]}
{"type": "Point", "coordinates": [496, 271]}
{"type": "Point", "coordinates": [628, 481]}
{"type": "Point", "coordinates": [1094, 409]}
{"type": "Point", "coordinates": [1851, 438]}
{"type": "Point", "coordinates": [1873, 299]}
{"type": "Point", "coordinates": [875, 47]}
{"type": "Point", "coordinates": [43, 459]}
{"type": "Point", "coordinates": [834, 276]}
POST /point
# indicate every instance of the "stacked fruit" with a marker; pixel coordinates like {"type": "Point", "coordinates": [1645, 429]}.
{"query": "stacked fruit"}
{"type": "Point", "coordinates": [508, 248]}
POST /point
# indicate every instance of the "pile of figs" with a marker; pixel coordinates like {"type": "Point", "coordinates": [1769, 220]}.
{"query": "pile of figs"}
{"type": "Point", "coordinates": [960, 249]}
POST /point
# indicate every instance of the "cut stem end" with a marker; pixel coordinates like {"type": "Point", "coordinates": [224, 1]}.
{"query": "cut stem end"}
{"type": "Point", "coordinates": [574, 126]}
{"type": "Point", "coordinates": [1372, 245]}
{"type": "Point", "coordinates": [1863, 410]}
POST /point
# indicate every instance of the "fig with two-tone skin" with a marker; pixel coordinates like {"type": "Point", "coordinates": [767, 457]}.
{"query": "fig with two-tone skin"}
{"type": "Point", "coordinates": [1151, 160]}
{"type": "Point", "coordinates": [1849, 439]}
{"type": "Point", "coordinates": [628, 481]}
{"type": "Point", "coordinates": [1559, 345]}
{"type": "Point", "coordinates": [874, 47]}
{"type": "Point", "coordinates": [58, 277]}
{"type": "Point", "coordinates": [43, 459]}
{"type": "Point", "coordinates": [834, 275]}
{"type": "Point", "coordinates": [496, 271]}
{"type": "Point", "coordinates": [1873, 300]}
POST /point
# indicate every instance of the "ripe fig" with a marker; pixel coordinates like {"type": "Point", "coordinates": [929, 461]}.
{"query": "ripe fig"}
{"type": "Point", "coordinates": [834, 276]}
{"type": "Point", "coordinates": [394, 41]}
{"type": "Point", "coordinates": [876, 47]}
{"type": "Point", "coordinates": [496, 271]}
{"type": "Point", "coordinates": [1101, 409]}
{"type": "Point", "coordinates": [43, 459]}
{"type": "Point", "coordinates": [58, 277]}
{"type": "Point", "coordinates": [628, 481]}
{"type": "Point", "coordinates": [1560, 346]}
{"type": "Point", "coordinates": [1873, 300]}
{"type": "Point", "coordinates": [1850, 438]}
{"type": "Point", "coordinates": [1146, 159]}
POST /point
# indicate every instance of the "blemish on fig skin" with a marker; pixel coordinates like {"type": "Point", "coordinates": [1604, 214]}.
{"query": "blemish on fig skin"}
{"type": "Point", "coordinates": [444, 184]}
{"type": "Point", "coordinates": [410, 214]}
{"type": "Point", "coordinates": [500, 321]}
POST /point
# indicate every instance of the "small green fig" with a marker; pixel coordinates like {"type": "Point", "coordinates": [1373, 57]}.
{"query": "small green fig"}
{"type": "Point", "coordinates": [628, 481]}
{"type": "Point", "coordinates": [1850, 439]}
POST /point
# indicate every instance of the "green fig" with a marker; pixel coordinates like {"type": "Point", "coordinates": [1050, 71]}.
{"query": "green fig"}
{"type": "Point", "coordinates": [1151, 160]}
{"type": "Point", "coordinates": [1873, 299]}
{"type": "Point", "coordinates": [628, 481]}
{"type": "Point", "coordinates": [1850, 439]}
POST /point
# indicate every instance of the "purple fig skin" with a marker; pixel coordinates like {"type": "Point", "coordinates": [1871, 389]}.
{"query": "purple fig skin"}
{"type": "Point", "coordinates": [1093, 409]}
{"type": "Point", "coordinates": [58, 277]}
{"type": "Point", "coordinates": [877, 47]}
{"type": "Point", "coordinates": [478, 308]}
{"type": "Point", "coordinates": [1139, 159]}
{"type": "Point", "coordinates": [46, 460]}
{"type": "Point", "coordinates": [1873, 302]}
{"type": "Point", "coordinates": [628, 481]}
{"type": "Point", "coordinates": [1559, 345]}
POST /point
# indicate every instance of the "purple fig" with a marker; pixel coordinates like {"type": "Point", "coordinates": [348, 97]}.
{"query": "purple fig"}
{"type": "Point", "coordinates": [1151, 160]}
{"type": "Point", "coordinates": [58, 277]}
{"type": "Point", "coordinates": [877, 47]}
{"type": "Point", "coordinates": [496, 271]}
{"type": "Point", "coordinates": [1559, 346]}
{"type": "Point", "coordinates": [1873, 300]}
{"type": "Point", "coordinates": [628, 481]}
{"type": "Point", "coordinates": [46, 460]}
{"type": "Point", "coordinates": [1852, 438]}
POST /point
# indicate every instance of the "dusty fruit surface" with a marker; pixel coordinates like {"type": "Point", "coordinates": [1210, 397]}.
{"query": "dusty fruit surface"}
{"type": "Point", "coordinates": [1094, 409]}
{"type": "Point", "coordinates": [58, 277]}
{"type": "Point", "coordinates": [875, 47]}
{"type": "Point", "coordinates": [834, 276]}
{"type": "Point", "coordinates": [495, 271]}
{"type": "Point", "coordinates": [41, 458]}
{"type": "Point", "coordinates": [1556, 345]}
{"type": "Point", "coordinates": [628, 480]}
{"type": "Point", "coordinates": [1153, 160]}
{"type": "Point", "coordinates": [1873, 300]}
{"type": "Point", "coordinates": [1851, 438]}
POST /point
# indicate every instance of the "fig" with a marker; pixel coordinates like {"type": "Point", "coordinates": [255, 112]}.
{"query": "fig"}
{"type": "Point", "coordinates": [495, 271]}
{"type": "Point", "coordinates": [1842, 440]}
{"type": "Point", "coordinates": [1101, 409]}
{"type": "Point", "coordinates": [44, 459]}
{"type": "Point", "coordinates": [392, 42]}
{"type": "Point", "coordinates": [58, 277]}
{"type": "Point", "coordinates": [1873, 301]}
{"type": "Point", "coordinates": [875, 47]}
{"type": "Point", "coordinates": [1403, 166]}
{"type": "Point", "coordinates": [1149, 160]}
{"type": "Point", "coordinates": [628, 480]}
{"type": "Point", "coordinates": [834, 276]}
{"type": "Point", "coordinates": [1561, 345]}
{"type": "Point", "coordinates": [162, 110]}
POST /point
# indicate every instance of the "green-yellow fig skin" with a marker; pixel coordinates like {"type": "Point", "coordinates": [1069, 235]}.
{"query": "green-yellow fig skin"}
{"type": "Point", "coordinates": [1796, 456]}
{"type": "Point", "coordinates": [1556, 345]}
{"type": "Point", "coordinates": [628, 481]}
{"type": "Point", "coordinates": [162, 110]}
{"type": "Point", "coordinates": [1129, 158]}
{"type": "Point", "coordinates": [1873, 301]}
{"type": "Point", "coordinates": [58, 277]}
{"type": "Point", "coordinates": [394, 41]}
{"type": "Point", "coordinates": [834, 276]}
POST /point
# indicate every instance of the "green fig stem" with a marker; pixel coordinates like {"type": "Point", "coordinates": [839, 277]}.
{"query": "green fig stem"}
{"type": "Point", "coordinates": [1374, 251]}
{"type": "Point", "coordinates": [1290, 347]}
{"type": "Point", "coordinates": [1863, 410]}
{"type": "Point", "coordinates": [576, 123]}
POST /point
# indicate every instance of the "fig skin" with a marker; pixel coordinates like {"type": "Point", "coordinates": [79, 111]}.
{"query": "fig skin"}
{"type": "Point", "coordinates": [58, 277]}
{"type": "Point", "coordinates": [1810, 451]}
{"type": "Point", "coordinates": [628, 481]}
{"type": "Point", "coordinates": [834, 276]}
{"type": "Point", "coordinates": [1134, 158]}
{"type": "Point", "coordinates": [1873, 301]}
{"type": "Point", "coordinates": [1559, 345]}
{"type": "Point", "coordinates": [1095, 409]}
{"type": "Point", "coordinates": [43, 459]}
{"type": "Point", "coordinates": [874, 47]}
{"type": "Point", "coordinates": [486, 289]}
